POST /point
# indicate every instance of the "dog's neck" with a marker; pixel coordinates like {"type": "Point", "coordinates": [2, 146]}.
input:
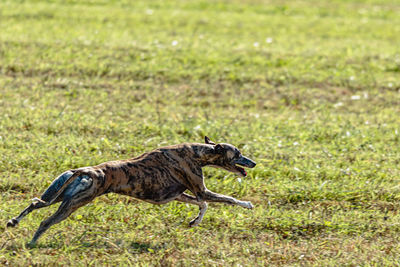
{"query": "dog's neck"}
{"type": "Point", "coordinates": [205, 154]}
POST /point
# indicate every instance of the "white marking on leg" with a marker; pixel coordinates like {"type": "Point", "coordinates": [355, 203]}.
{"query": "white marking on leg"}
{"type": "Point", "coordinates": [37, 200]}
{"type": "Point", "coordinates": [246, 204]}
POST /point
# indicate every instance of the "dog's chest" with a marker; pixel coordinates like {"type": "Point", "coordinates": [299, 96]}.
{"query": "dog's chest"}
{"type": "Point", "coordinates": [160, 195]}
{"type": "Point", "coordinates": [151, 192]}
{"type": "Point", "coordinates": [150, 184]}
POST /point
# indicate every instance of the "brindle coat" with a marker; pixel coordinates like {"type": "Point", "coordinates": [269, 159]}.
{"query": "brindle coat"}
{"type": "Point", "coordinates": [158, 177]}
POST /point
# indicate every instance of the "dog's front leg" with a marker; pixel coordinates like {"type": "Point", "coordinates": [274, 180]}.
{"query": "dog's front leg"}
{"type": "Point", "coordinates": [192, 200]}
{"type": "Point", "coordinates": [209, 196]}
{"type": "Point", "coordinates": [199, 189]}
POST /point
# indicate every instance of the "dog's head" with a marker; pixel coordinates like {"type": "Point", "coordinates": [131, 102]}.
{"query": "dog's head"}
{"type": "Point", "coordinates": [228, 157]}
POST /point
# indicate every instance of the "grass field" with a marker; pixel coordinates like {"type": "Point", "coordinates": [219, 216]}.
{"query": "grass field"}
{"type": "Point", "coordinates": [309, 89]}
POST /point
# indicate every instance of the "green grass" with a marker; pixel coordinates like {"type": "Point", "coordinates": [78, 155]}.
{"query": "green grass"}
{"type": "Point", "coordinates": [308, 89]}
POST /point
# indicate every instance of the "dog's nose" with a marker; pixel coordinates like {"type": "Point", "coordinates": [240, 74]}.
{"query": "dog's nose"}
{"type": "Point", "coordinates": [245, 162]}
{"type": "Point", "coordinates": [250, 163]}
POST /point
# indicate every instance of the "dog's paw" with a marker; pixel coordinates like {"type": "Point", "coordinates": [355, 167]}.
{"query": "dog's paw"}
{"type": "Point", "coordinates": [194, 223]}
{"type": "Point", "coordinates": [12, 223]}
{"type": "Point", "coordinates": [247, 205]}
{"type": "Point", "coordinates": [31, 245]}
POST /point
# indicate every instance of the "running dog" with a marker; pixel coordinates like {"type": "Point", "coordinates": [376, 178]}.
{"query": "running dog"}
{"type": "Point", "coordinates": [158, 177]}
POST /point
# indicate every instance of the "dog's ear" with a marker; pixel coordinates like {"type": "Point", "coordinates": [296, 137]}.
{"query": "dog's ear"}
{"type": "Point", "coordinates": [208, 141]}
{"type": "Point", "coordinates": [219, 149]}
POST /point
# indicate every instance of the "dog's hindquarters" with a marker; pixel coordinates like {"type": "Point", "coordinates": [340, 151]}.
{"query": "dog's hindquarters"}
{"type": "Point", "coordinates": [44, 200]}
{"type": "Point", "coordinates": [49, 197]}
{"type": "Point", "coordinates": [78, 194]}
{"type": "Point", "coordinates": [75, 188]}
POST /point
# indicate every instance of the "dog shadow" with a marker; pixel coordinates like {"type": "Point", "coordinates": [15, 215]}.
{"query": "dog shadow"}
{"type": "Point", "coordinates": [133, 247]}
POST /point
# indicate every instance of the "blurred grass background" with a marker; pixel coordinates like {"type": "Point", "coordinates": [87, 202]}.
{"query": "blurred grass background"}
{"type": "Point", "coordinates": [308, 89]}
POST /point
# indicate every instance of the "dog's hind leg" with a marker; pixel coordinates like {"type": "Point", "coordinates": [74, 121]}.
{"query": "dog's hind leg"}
{"type": "Point", "coordinates": [66, 208]}
{"type": "Point", "coordinates": [77, 195]}
{"type": "Point", "coordinates": [36, 204]}
{"type": "Point", "coordinates": [47, 198]}
{"type": "Point", "coordinates": [192, 200]}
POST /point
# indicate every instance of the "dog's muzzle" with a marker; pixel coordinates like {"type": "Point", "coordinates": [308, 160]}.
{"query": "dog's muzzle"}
{"type": "Point", "coordinates": [244, 162]}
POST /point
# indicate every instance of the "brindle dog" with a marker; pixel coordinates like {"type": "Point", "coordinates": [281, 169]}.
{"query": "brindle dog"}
{"type": "Point", "coordinates": [158, 177]}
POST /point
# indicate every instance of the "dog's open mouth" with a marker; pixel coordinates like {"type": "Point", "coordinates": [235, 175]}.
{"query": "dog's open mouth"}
{"type": "Point", "coordinates": [241, 170]}
{"type": "Point", "coordinates": [245, 162]}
